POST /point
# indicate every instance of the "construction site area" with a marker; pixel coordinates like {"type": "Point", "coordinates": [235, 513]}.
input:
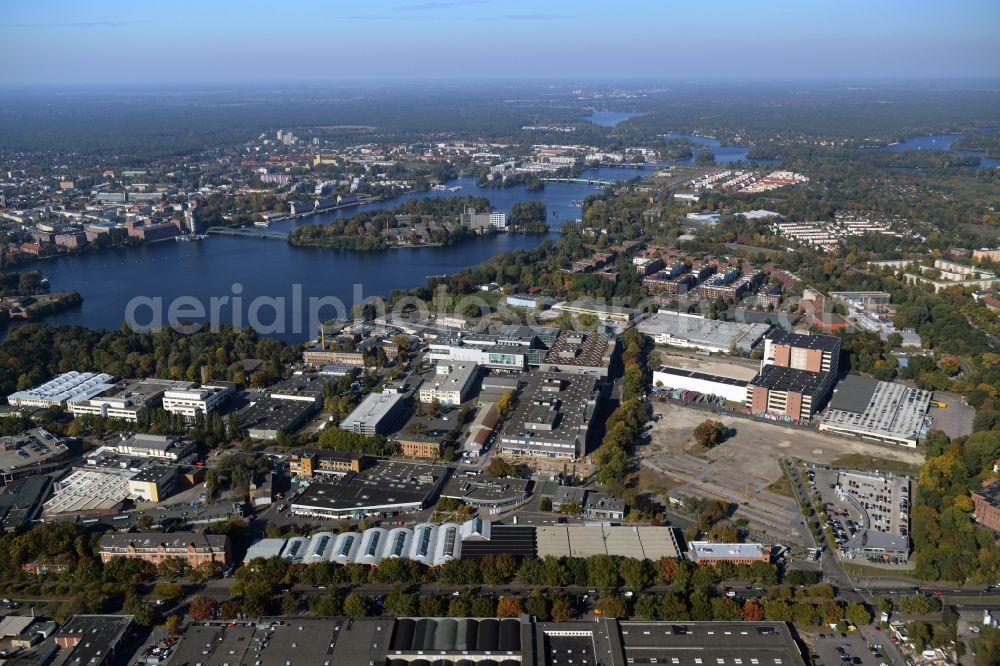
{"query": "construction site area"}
{"type": "Point", "coordinates": [745, 469]}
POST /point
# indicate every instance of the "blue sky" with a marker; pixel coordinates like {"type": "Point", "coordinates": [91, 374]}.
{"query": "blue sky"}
{"type": "Point", "coordinates": [57, 41]}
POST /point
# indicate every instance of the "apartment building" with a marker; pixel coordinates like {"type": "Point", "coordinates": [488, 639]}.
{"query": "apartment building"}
{"type": "Point", "coordinates": [155, 547]}
{"type": "Point", "coordinates": [314, 462]}
{"type": "Point", "coordinates": [420, 446]}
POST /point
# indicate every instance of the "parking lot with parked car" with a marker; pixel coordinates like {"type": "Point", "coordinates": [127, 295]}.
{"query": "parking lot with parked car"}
{"type": "Point", "coordinates": [834, 648]}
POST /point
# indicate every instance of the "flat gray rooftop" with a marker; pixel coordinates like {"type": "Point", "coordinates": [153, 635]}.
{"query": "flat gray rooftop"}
{"type": "Point", "coordinates": [891, 410]}
{"type": "Point", "coordinates": [853, 393]}
{"type": "Point", "coordinates": [700, 331]}
{"type": "Point", "coordinates": [280, 641]}
{"type": "Point", "coordinates": [709, 643]}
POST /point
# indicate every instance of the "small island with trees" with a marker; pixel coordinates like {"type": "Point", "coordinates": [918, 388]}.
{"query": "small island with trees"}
{"type": "Point", "coordinates": [427, 222]}
{"type": "Point", "coordinates": [26, 296]}
{"type": "Point", "coordinates": [417, 223]}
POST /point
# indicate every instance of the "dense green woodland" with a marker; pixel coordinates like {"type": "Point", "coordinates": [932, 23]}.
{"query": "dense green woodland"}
{"type": "Point", "coordinates": [987, 142]}
{"type": "Point", "coordinates": [34, 353]}
{"type": "Point", "coordinates": [127, 128]}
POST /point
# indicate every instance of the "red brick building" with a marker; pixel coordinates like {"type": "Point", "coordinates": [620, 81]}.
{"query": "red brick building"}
{"type": "Point", "coordinates": [986, 505]}
{"type": "Point", "coordinates": [417, 446]}
{"type": "Point", "coordinates": [155, 547]}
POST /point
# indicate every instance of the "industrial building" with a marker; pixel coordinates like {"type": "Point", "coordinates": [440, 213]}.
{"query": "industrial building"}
{"type": "Point", "coordinates": [129, 402]}
{"type": "Point", "coordinates": [490, 641]}
{"type": "Point", "coordinates": [581, 353]}
{"type": "Point", "coordinates": [375, 414]}
{"type": "Point", "coordinates": [865, 299]}
{"type": "Point", "coordinates": [553, 417]}
{"type": "Point", "coordinates": [487, 351]}
{"type": "Point", "coordinates": [511, 347]}
{"type": "Point", "coordinates": [34, 451]}
{"type": "Point", "coordinates": [280, 642]}
{"type": "Point", "coordinates": [95, 640]}
{"type": "Point", "coordinates": [732, 389]}
{"type": "Point", "coordinates": [268, 416]}
{"type": "Point", "coordinates": [193, 401]}
{"type": "Point", "coordinates": [432, 544]}
{"type": "Point", "coordinates": [194, 548]}
{"type": "Point", "coordinates": [483, 424]}
{"type": "Point", "coordinates": [815, 353]}
{"type": "Point", "coordinates": [639, 541]}
{"type": "Point", "coordinates": [599, 310]}
{"type": "Point", "coordinates": [89, 490]}
{"type": "Point", "coordinates": [785, 392]}
{"type": "Point", "coordinates": [284, 407]}
{"type": "Point", "coordinates": [321, 356]}
{"type": "Point", "coordinates": [153, 484]}
{"type": "Point", "coordinates": [64, 388]}
{"type": "Point", "coordinates": [305, 387]}
{"type": "Point", "coordinates": [486, 491]}
{"type": "Point", "coordinates": [386, 489]}
{"type": "Point", "coordinates": [707, 552]}
{"type": "Point", "coordinates": [702, 643]}
{"type": "Point", "coordinates": [21, 500]}
{"type": "Point", "coordinates": [104, 482]}
{"type": "Point", "coordinates": [880, 411]}
{"type": "Point", "coordinates": [450, 384]}
{"type": "Point", "coordinates": [528, 301]}
{"type": "Point", "coordinates": [692, 331]}
{"type": "Point", "coordinates": [143, 445]}
{"type": "Point", "coordinates": [796, 375]}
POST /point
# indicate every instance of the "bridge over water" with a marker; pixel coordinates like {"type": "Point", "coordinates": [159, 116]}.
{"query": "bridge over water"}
{"type": "Point", "coordinates": [248, 232]}
{"type": "Point", "coordinates": [585, 181]}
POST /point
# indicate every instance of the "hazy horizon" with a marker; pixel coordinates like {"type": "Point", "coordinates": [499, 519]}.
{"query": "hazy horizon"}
{"type": "Point", "coordinates": [399, 41]}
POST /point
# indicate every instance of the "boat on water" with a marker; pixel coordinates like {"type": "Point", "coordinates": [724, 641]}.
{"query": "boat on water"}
{"type": "Point", "coordinates": [190, 237]}
{"type": "Point", "coordinates": [454, 188]}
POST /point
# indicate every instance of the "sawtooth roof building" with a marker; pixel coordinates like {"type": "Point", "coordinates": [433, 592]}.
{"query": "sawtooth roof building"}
{"type": "Point", "coordinates": [67, 387]}
{"type": "Point", "coordinates": [581, 353]}
{"type": "Point", "coordinates": [880, 411]}
{"type": "Point", "coordinates": [486, 641]}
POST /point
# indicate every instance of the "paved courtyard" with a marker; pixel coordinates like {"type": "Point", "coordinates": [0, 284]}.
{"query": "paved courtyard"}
{"type": "Point", "coordinates": [955, 420]}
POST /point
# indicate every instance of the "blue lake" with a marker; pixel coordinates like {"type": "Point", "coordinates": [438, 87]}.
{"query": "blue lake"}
{"type": "Point", "coordinates": [611, 118]}
{"type": "Point", "coordinates": [723, 154]}
{"type": "Point", "coordinates": [940, 142]}
{"type": "Point", "coordinates": [206, 269]}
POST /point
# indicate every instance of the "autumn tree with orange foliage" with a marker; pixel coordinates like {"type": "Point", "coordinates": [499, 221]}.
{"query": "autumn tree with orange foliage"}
{"type": "Point", "coordinates": [509, 607]}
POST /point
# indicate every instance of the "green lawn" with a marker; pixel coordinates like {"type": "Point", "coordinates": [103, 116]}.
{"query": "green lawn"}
{"type": "Point", "coordinates": [782, 487]}
{"type": "Point", "coordinates": [863, 462]}
{"type": "Point", "coordinates": [866, 570]}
